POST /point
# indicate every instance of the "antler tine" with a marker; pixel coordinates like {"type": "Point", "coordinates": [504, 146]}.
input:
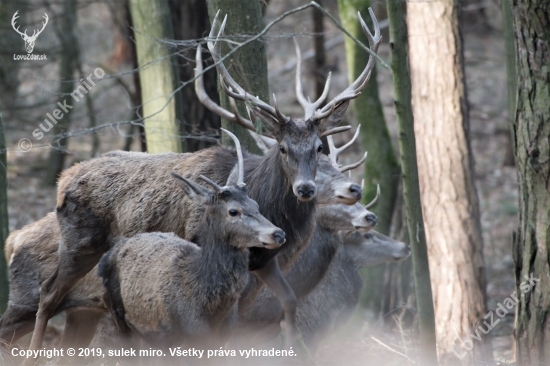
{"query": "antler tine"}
{"type": "Point", "coordinates": [355, 88]}
{"type": "Point", "coordinates": [337, 151]}
{"type": "Point", "coordinates": [240, 179]}
{"type": "Point", "coordinates": [238, 92]}
{"type": "Point", "coordinates": [354, 165]}
{"type": "Point", "coordinates": [373, 202]}
{"type": "Point", "coordinates": [309, 108]}
{"type": "Point", "coordinates": [280, 116]}
{"type": "Point", "coordinates": [216, 187]}
{"type": "Point", "coordinates": [332, 150]}
{"type": "Point", "coordinates": [209, 103]}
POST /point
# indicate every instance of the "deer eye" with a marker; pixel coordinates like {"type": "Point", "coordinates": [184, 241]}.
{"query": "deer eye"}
{"type": "Point", "coordinates": [233, 212]}
{"type": "Point", "coordinates": [282, 149]}
{"type": "Point", "coordinates": [320, 148]}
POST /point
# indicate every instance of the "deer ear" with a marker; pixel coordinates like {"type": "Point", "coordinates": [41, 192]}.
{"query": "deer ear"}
{"type": "Point", "coordinates": [335, 117]}
{"type": "Point", "coordinates": [193, 190]}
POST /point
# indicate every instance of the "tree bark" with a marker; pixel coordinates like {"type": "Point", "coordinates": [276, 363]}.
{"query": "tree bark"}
{"type": "Point", "coordinates": [162, 107]}
{"type": "Point", "coordinates": [69, 59]}
{"type": "Point", "coordinates": [190, 19]}
{"type": "Point", "coordinates": [4, 223]}
{"type": "Point", "coordinates": [531, 136]}
{"type": "Point", "coordinates": [319, 46]}
{"type": "Point", "coordinates": [248, 65]}
{"type": "Point", "coordinates": [381, 166]}
{"type": "Point", "coordinates": [449, 198]}
{"type": "Point", "coordinates": [411, 189]}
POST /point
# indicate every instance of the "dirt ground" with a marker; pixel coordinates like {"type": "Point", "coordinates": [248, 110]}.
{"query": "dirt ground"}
{"type": "Point", "coordinates": [496, 183]}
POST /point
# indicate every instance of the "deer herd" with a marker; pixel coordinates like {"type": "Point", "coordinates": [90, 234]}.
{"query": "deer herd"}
{"type": "Point", "coordinates": [207, 248]}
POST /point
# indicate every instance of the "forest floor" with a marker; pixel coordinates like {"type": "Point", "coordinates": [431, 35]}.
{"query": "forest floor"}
{"type": "Point", "coordinates": [496, 180]}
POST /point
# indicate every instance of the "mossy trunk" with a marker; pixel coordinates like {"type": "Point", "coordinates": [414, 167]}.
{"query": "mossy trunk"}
{"type": "Point", "coordinates": [4, 223]}
{"type": "Point", "coordinates": [531, 135]}
{"type": "Point", "coordinates": [159, 78]}
{"type": "Point", "coordinates": [381, 166]}
{"type": "Point", "coordinates": [411, 187]}
{"type": "Point", "coordinates": [248, 65]}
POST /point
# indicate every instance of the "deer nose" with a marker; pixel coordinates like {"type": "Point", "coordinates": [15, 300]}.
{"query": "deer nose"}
{"type": "Point", "coordinates": [279, 236]}
{"type": "Point", "coordinates": [306, 190]}
{"type": "Point", "coordinates": [371, 219]}
{"type": "Point", "coordinates": [356, 191]}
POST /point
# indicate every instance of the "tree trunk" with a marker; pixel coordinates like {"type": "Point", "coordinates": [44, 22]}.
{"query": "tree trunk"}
{"type": "Point", "coordinates": [248, 65]}
{"type": "Point", "coordinates": [158, 77]}
{"type": "Point", "coordinates": [411, 189]}
{"type": "Point", "coordinates": [4, 223]}
{"type": "Point", "coordinates": [531, 134]}
{"type": "Point", "coordinates": [190, 19]}
{"type": "Point", "coordinates": [381, 166]}
{"type": "Point", "coordinates": [69, 59]}
{"type": "Point", "coordinates": [449, 198]}
{"type": "Point", "coordinates": [319, 46]}
{"type": "Point", "coordinates": [511, 73]}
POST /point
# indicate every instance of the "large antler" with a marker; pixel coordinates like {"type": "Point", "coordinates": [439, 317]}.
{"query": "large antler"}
{"type": "Point", "coordinates": [210, 104]}
{"type": "Point", "coordinates": [335, 152]}
{"type": "Point", "coordinates": [231, 87]}
{"type": "Point", "coordinates": [355, 88]}
{"type": "Point", "coordinates": [309, 107]}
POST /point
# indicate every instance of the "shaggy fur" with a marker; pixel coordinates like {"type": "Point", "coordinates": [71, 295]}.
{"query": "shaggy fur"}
{"type": "Point", "coordinates": [170, 290]}
{"type": "Point", "coordinates": [32, 253]}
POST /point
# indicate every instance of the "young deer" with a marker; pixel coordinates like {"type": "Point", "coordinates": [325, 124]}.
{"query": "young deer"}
{"type": "Point", "coordinates": [188, 290]}
{"type": "Point", "coordinates": [332, 301]}
{"type": "Point", "coordinates": [123, 196]}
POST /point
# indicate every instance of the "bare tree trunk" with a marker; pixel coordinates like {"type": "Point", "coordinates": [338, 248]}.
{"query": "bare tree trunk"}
{"type": "Point", "coordinates": [531, 135]}
{"type": "Point", "coordinates": [449, 197]}
{"type": "Point", "coordinates": [319, 46]}
{"type": "Point", "coordinates": [161, 108]}
{"type": "Point", "coordinates": [381, 166]}
{"type": "Point", "coordinates": [190, 19]}
{"type": "Point", "coordinates": [4, 223]}
{"type": "Point", "coordinates": [411, 189]}
{"type": "Point", "coordinates": [511, 73]}
{"type": "Point", "coordinates": [69, 59]}
{"type": "Point", "coordinates": [248, 66]}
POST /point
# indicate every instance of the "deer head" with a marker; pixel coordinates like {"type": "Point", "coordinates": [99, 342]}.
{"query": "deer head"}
{"type": "Point", "coordinates": [29, 40]}
{"type": "Point", "coordinates": [298, 140]}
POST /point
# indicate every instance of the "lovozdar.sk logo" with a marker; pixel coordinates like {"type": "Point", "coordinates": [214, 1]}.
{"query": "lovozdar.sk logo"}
{"type": "Point", "coordinates": [29, 40]}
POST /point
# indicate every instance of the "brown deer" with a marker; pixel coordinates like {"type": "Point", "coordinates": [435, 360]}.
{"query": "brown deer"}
{"type": "Point", "coordinates": [187, 291]}
{"type": "Point", "coordinates": [32, 256]}
{"type": "Point", "coordinates": [123, 196]}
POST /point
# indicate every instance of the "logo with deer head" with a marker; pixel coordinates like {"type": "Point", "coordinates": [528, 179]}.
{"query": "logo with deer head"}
{"type": "Point", "coordinates": [29, 40]}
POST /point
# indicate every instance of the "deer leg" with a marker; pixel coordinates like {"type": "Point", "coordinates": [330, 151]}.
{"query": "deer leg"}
{"type": "Point", "coordinates": [84, 240]}
{"type": "Point", "coordinates": [272, 276]}
{"type": "Point", "coordinates": [15, 323]}
{"type": "Point", "coordinates": [80, 328]}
